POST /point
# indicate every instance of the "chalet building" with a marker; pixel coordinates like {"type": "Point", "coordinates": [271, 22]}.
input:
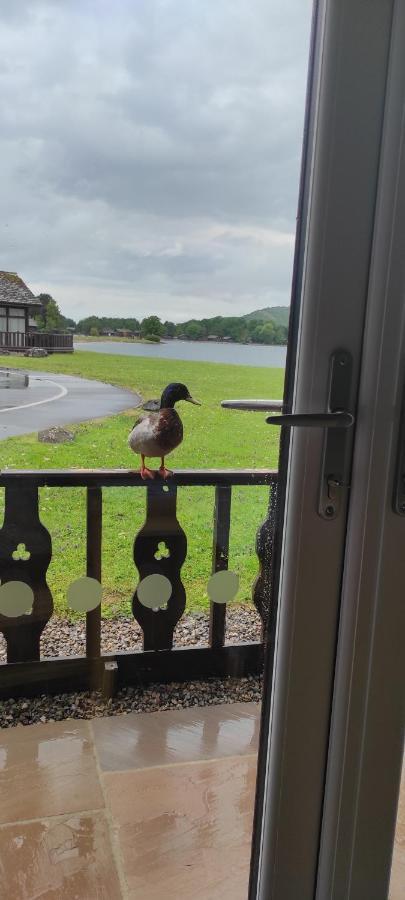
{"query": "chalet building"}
{"type": "Point", "coordinates": [124, 332]}
{"type": "Point", "coordinates": [18, 305]}
{"type": "Point", "coordinates": [18, 329]}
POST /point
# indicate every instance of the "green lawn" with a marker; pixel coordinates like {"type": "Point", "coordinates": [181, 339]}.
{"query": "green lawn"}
{"type": "Point", "coordinates": [214, 438]}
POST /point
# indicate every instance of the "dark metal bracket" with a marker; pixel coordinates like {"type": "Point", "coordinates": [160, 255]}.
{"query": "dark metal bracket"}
{"type": "Point", "coordinates": [398, 500]}
{"type": "Point", "coordinates": [336, 459]}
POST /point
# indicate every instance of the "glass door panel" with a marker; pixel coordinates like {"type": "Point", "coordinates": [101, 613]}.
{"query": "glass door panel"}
{"type": "Point", "coordinates": [142, 600]}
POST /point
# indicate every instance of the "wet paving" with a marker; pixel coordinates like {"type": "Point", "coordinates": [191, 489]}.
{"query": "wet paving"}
{"type": "Point", "coordinates": [143, 805]}
{"type": "Point", "coordinates": [140, 806]}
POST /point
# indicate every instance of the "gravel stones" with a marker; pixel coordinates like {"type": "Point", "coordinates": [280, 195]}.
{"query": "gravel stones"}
{"type": "Point", "coordinates": [64, 638]}
{"type": "Point", "coordinates": [153, 698]}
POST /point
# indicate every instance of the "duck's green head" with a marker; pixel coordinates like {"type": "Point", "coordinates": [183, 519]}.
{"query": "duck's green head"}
{"type": "Point", "coordinates": [175, 392]}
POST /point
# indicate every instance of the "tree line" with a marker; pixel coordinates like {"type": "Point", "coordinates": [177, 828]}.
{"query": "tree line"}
{"type": "Point", "coordinates": [235, 328]}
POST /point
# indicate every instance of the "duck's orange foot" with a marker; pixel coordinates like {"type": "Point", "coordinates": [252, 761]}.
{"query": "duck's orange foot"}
{"type": "Point", "coordinates": [146, 473]}
{"type": "Point", "coordinates": [165, 473]}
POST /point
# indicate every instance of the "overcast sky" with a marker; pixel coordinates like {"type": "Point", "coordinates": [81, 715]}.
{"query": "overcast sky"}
{"type": "Point", "coordinates": [150, 152]}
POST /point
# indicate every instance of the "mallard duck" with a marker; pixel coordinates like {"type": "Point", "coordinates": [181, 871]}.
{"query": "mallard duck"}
{"type": "Point", "coordinates": [160, 432]}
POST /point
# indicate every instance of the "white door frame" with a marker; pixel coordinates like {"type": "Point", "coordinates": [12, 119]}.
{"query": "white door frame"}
{"type": "Point", "coordinates": [366, 744]}
{"type": "Point", "coordinates": [351, 54]}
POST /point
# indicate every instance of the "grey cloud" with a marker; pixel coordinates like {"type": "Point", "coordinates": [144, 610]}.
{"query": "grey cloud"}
{"type": "Point", "coordinates": [146, 144]}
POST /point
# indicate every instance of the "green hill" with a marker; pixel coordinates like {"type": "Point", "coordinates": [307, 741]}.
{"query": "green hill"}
{"type": "Point", "coordinates": [263, 326]}
{"type": "Point", "coordinates": [277, 314]}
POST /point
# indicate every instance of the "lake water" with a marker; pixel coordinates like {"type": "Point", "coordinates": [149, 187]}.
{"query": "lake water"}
{"type": "Point", "coordinates": [201, 351]}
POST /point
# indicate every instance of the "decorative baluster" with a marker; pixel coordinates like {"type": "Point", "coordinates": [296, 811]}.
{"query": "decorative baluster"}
{"type": "Point", "coordinates": [160, 548]}
{"type": "Point", "coordinates": [25, 554]}
{"type": "Point", "coordinates": [220, 556]}
{"type": "Point", "coordinates": [262, 588]}
{"type": "Point", "coordinates": [94, 539]}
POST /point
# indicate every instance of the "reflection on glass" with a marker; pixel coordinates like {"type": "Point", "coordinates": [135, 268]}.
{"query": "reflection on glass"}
{"type": "Point", "coordinates": [151, 157]}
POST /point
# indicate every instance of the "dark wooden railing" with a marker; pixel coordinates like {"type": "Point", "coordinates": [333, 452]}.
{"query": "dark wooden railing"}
{"type": "Point", "coordinates": [20, 341]}
{"type": "Point", "coordinates": [27, 674]}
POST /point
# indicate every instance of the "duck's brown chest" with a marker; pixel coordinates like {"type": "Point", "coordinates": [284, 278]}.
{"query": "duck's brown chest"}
{"type": "Point", "coordinates": [169, 432]}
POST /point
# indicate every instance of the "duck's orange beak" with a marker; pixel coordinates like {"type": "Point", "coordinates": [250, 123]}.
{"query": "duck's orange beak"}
{"type": "Point", "coordinates": [190, 399]}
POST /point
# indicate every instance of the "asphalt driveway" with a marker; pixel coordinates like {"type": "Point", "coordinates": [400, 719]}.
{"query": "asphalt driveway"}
{"type": "Point", "coordinates": [58, 400]}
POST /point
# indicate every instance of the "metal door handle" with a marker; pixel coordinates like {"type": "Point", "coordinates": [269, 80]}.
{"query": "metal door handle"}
{"type": "Point", "coordinates": [337, 419]}
{"type": "Point", "coordinates": [336, 422]}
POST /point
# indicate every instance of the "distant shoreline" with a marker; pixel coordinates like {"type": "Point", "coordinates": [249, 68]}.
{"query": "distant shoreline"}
{"type": "Point", "coordinates": [90, 338]}
{"type": "Point", "coordinates": [102, 338]}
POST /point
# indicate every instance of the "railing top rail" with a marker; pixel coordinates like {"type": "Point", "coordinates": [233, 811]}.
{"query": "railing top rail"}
{"type": "Point", "coordinates": [128, 478]}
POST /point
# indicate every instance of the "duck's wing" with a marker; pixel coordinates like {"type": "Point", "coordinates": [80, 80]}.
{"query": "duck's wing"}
{"type": "Point", "coordinates": [147, 417]}
{"type": "Point", "coordinates": [142, 438]}
{"type": "Point", "coordinates": [150, 406]}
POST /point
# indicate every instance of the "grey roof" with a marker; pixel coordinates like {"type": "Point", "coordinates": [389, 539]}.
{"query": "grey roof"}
{"type": "Point", "coordinates": [13, 291]}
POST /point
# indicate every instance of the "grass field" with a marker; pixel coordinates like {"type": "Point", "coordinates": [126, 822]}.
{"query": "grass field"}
{"type": "Point", "coordinates": [214, 438]}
